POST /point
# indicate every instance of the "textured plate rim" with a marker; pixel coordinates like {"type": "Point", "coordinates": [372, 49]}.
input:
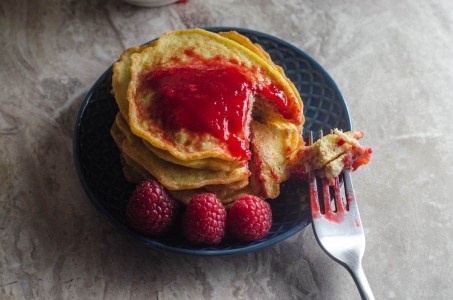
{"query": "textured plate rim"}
{"type": "Point", "coordinates": [199, 252]}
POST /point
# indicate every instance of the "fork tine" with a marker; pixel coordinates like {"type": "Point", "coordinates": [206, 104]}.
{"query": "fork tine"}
{"type": "Point", "coordinates": [339, 204]}
{"type": "Point", "coordinates": [349, 190]}
{"type": "Point", "coordinates": [326, 196]}
{"type": "Point", "coordinates": [325, 188]}
{"type": "Point", "coordinates": [316, 211]}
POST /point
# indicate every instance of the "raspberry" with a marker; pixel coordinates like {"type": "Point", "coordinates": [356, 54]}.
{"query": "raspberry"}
{"type": "Point", "coordinates": [204, 220]}
{"type": "Point", "coordinates": [151, 210]}
{"type": "Point", "coordinates": [249, 219]}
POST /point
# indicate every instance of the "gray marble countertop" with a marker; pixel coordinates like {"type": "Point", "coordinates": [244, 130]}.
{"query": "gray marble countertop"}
{"type": "Point", "coordinates": [393, 62]}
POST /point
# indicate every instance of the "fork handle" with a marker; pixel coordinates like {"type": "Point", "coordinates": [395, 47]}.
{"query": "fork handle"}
{"type": "Point", "coordinates": [362, 283]}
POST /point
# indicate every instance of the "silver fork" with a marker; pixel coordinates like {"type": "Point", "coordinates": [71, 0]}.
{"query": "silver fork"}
{"type": "Point", "coordinates": [337, 227]}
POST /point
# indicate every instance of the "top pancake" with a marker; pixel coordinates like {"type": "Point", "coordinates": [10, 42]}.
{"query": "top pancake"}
{"type": "Point", "coordinates": [198, 49]}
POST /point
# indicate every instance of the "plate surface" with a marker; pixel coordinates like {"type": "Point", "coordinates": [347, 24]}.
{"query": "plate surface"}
{"type": "Point", "coordinates": [99, 168]}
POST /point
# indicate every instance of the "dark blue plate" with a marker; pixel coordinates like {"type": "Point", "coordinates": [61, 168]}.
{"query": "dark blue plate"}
{"type": "Point", "coordinates": [98, 162]}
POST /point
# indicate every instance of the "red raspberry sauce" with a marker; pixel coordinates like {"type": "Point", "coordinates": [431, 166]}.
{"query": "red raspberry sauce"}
{"type": "Point", "coordinates": [204, 99]}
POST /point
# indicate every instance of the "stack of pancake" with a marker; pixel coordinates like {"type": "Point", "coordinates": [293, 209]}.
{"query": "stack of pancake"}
{"type": "Point", "coordinates": [206, 112]}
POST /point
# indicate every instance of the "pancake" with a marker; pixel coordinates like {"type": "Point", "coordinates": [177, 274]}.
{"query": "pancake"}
{"type": "Point", "coordinates": [135, 173]}
{"type": "Point", "coordinates": [195, 51]}
{"type": "Point", "coordinates": [171, 176]}
{"type": "Point", "coordinates": [210, 163]}
{"type": "Point", "coordinates": [227, 193]}
{"type": "Point", "coordinates": [121, 78]}
{"type": "Point", "coordinates": [226, 197]}
{"type": "Point", "coordinates": [333, 153]}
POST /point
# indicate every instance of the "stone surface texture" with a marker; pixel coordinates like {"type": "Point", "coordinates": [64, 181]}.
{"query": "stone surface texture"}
{"type": "Point", "coordinates": [393, 62]}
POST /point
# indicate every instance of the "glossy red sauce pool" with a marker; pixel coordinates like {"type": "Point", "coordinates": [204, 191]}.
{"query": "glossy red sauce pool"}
{"type": "Point", "coordinates": [212, 100]}
{"type": "Point", "coordinates": [210, 96]}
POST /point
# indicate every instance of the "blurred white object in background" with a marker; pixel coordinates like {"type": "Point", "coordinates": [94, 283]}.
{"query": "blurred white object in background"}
{"type": "Point", "coordinates": [150, 3]}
